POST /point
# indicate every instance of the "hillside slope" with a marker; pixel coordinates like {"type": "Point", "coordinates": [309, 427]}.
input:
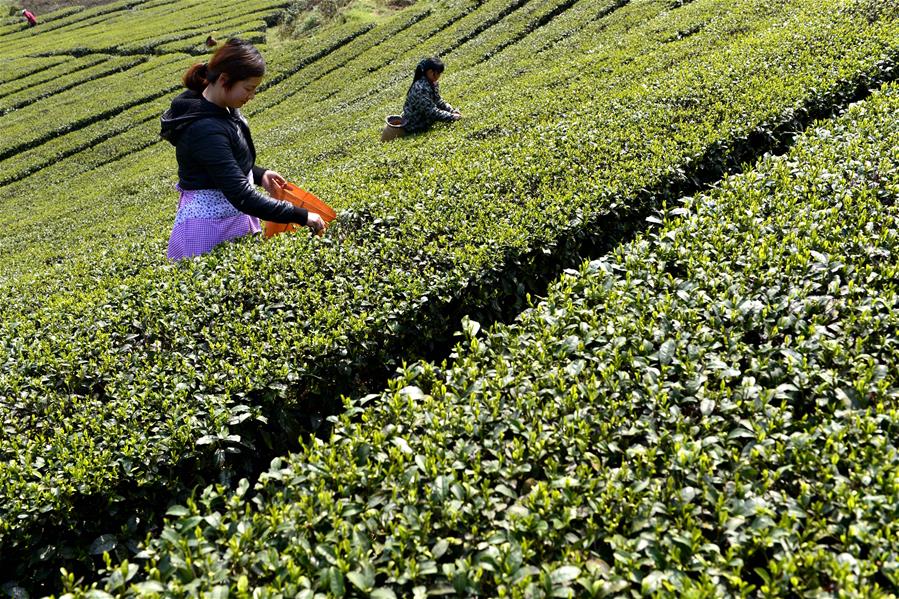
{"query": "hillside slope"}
{"type": "Point", "coordinates": [127, 380]}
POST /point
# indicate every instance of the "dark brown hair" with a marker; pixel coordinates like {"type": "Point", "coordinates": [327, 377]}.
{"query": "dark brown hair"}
{"type": "Point", "coordinates": [426, 65]}
{"type": "Point", "coordinates": [238, 59]}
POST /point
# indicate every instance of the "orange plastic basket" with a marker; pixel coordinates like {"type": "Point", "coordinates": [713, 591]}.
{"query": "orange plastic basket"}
{"type": "Point", "coordinates": [302, 199]}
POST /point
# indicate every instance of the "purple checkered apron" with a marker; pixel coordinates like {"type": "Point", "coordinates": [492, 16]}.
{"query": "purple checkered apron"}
{"type": "Point", "coordinates": [205, 219]}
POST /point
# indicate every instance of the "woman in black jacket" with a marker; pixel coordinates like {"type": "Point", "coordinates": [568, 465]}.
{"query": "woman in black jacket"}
{"type": "Point", "coordinates": [216, 156]}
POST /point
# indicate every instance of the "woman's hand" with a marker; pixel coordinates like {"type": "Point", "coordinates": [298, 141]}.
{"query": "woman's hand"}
{"type": "Point", "coordinates": [315, 222]}
{"type": "Point", "coordinates": [457, 115]}
{"type": "Point", "coordinates": [271, 178]}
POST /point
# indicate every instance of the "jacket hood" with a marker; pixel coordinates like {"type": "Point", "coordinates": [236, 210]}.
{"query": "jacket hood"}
{"type": "Point", "coordinates": [186, 108]}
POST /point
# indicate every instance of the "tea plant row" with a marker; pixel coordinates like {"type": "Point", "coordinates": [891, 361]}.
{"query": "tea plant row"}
{"type": "Point", "coordinates": [38, 123]}
{"type": "Point", "coordinates": [100, 143]}
{"type": "Point", "coordinates": [90, 69]}
{"type": "Point", "coordinates": [125, 132]}
{"type": "Point", "coordinates": [711, 410]}
{"type": "Point", "coordinates": [17, 75]}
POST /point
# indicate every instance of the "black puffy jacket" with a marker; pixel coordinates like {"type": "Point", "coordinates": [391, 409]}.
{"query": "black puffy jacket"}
{"type": "Point", "coordinates": [215, 151]}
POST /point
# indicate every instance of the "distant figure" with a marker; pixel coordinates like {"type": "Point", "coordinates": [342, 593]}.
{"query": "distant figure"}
{"type": "Point", "coordinates": [424, 106]}
{"type": "Point", "coordinates": [217, 170]}
{"type": "Point", "coordinates": [211, 42]}
{"type": "Point", "coordinates": [29, 16]}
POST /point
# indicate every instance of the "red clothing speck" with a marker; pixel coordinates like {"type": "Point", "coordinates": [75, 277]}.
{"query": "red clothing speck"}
{"type": "Point", "coordinates": [29, 16]}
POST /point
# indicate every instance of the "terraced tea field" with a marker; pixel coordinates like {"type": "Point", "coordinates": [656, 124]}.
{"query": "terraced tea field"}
{"type": "Point", "coordinates": [705, 406]}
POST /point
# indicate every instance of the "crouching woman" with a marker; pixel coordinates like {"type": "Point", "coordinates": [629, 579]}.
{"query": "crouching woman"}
{"type": "Point", "coordinates": [424, 106]}
{"type": "Point", "coordinates": [216, 156]}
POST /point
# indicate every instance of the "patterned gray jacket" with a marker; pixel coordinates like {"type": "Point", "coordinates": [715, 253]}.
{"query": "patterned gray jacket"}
{"type": "Point", "coordinates": [424, 106]}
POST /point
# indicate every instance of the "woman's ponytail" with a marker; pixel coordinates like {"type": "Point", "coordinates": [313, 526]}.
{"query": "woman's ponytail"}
{"type": "Point", "coordinates": [195, 77]}
{"type": "Point", "coordinates": [419, 71]}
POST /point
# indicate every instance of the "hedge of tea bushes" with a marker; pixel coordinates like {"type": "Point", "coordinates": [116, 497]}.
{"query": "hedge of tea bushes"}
{"type": "Point", "coordinates": [125, 380]}
{"type": "Point", "coordinates": [101, 143]}
{"type": "Point", "coordinates": [289, 56]}
{"type": "Point", "coordinates": [92, 69]}
{"type": "Point", "coordinates": [17, 74]}
{"type": "Point", "coordinates": [710, 410]}
{"type": "Point", "coordinates": [75, 16]}
{"type": "Point", "coordinates": [518, 24]}
{"type": "Point", "coordinates": [353, 60]}
{"type": "Point", "coordinates": [37, 123]}
{"type": "Point", "coordinates": [139, 28]}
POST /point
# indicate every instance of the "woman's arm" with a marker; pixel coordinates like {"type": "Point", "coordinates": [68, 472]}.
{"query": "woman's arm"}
{"type": "Point", "coordinates": [211, 147]}
{"type": "Point", "coordinates": [258, 174]}
{"type": "Point", "coordinates": [435, 109]}
{"type": "Point", "coordinates": [421, 109]}
{"type": "Point", "coordinates": [441, 103]}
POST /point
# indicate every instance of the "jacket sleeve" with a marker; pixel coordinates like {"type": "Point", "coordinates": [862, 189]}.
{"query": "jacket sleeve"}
{"type": "Point", "coordinates": [211, 147]}
{"type": "Point", "coordinates": [443, 104]}
{"type": "Point", "coordinates": [439, 110]}
{"type": "Point", "coordinates": [258, 171]}
{"type": "Point", "coordinates": [421, 102]}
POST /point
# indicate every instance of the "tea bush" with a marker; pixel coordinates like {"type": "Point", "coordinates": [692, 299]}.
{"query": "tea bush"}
{"type": "Point", "coordinates": [91, 70]}
{"type": "Point", "coordinates": [18, 75]}
{"type": "Point", "coordinates": [710, 410]}
{"type": "Point", "coordinates": [36, 123]}
{"type": "Point", "coordinates": [100, 143]}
